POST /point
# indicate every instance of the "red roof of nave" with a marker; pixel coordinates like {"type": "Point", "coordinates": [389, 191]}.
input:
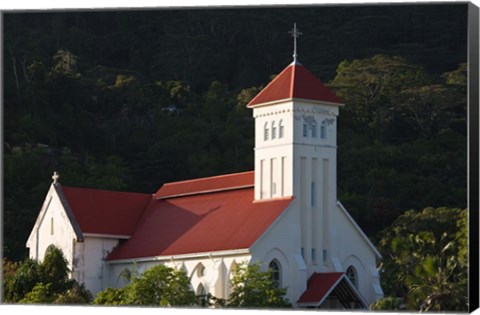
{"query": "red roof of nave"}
{"type": "Point", "coordinates": [197, 223]}
{"type": "Point", "coordinates": [295, 81]}
{"type": "Point", "coordinates": [202, 215]}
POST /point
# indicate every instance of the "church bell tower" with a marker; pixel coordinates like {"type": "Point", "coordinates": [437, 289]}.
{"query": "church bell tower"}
{"type": "Point", "coordinates": [296, 149]}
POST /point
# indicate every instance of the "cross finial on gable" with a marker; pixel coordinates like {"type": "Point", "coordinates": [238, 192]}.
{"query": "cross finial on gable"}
{"type": "Point", "coordinates": [295, 33]}
{"type": "Point", "coordinates": [55, 177]}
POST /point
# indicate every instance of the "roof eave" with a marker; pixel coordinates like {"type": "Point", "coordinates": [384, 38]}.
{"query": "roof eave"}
{"type": "Point", "coordinates": [360, 231]}
{"type": "Point", "coordinates": [324, 296]}
{"type": "Point", "coordinates": [69, 212]}
{"type": "Point", "coordinates": [222, 253]}
{"type": "Point", "coordinates": [293, 99]}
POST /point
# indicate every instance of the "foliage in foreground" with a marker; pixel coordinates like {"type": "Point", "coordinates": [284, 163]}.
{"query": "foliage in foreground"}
{"type": "Point", "coordinates": [425, 259]}
{"type": "Point", "coordinates": [33, 282]}
{"type": "Point", "coordinates": [159, 286]}
{"type": "Point", "coordinates": [165, 286]}
{"type": "Point", "coordinates": [254, 288]}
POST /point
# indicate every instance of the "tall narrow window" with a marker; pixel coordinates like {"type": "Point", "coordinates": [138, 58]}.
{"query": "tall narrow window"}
{"type": "Point", "coordinates": [314, 255]}
{"type": "Point", "coordinates": [314, 129]}
{"type": "Point", "coordinates": [313, 195]}
{"type": "Point", "coordinates": [273, 177]}
{"type": "Point", "coordinates": [305, 130]}
{"type": "Point", "coordinates": [323, 130]}
{"type": "Point", "coordinates": [352, 276]}
{"type": "Point", "coordinates": [265, 132]}
{"type": "Point", "coordinates": [282, 179]}
{"type": "Point", "coordinates": [52, 227]}
{"type": "Point", "coordinates": [262, 179]}
{"type": "Point", "coordinates": [274, 267]}
{"type": "Point", "coordinates": [302, 252]}
{"type": "Point", "coordinates": [201, 295]}
{"type": "Point", "coordinates": [274, 130]}
{"type": "Point", "coordinates": [280, 129]}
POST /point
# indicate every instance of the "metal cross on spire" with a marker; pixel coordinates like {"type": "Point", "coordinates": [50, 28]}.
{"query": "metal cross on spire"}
{"type": "Point", "coordinates": [295, 33]}
{"type": "Point", "coordinates": [55, 177]}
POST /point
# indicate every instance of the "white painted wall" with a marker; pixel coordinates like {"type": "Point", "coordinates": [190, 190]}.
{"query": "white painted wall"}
{"type": "Point", "coordinates": [90, 267]}
{"type": "Point", "coordinates": [282, 242]}
{"type": "Point", "coordinates": [355, 251]}
{"type": "Point", "coordinates": [274, 153]}
{"type": "Point", "coordinates": [219, 268]}
{"type": "Point", "coordinates": [85, 259]}
{"type": "Point", "coordinates": [52, 228]}
{"type": "Point", "coordinates": [313, 225]}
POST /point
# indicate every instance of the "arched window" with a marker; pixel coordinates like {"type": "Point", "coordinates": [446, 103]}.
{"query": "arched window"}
{"type": "Point", "coordinates": [280, 129]}
{"type": "Point", "coordinates": [200, 270]}
{"type": "Point", "coordinates": [352, 276]}
{"type": "Point", "coordinates": [305, 129]}
{"type": "Point", "coordinates": [201, 295]}
{"type": "Point", "coordinates": [274, 266]}
{"type": "Point", "coordinates": [265, 132]}
{"type": "Point", "coordinates": [323, 130]}
{"type": "Point", "coordinates": [274, 130]}
{"type": "Point", "coordinates": [314, 129]}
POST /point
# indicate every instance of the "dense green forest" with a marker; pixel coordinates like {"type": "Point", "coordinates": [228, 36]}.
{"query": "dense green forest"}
{"type": "Point", "coordinates": [129, 100]}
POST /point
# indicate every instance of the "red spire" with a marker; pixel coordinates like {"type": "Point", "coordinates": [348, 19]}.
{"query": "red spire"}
{"type": "Point", "coordinates": [295, 82]}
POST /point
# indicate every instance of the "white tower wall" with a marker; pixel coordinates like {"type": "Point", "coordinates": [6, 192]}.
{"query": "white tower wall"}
{"type": "Point", "coordinates": [300, 161]}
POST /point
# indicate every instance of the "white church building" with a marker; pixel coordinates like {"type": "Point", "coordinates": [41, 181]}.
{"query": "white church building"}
{"type": "Point", "coordinates": [284, 214]}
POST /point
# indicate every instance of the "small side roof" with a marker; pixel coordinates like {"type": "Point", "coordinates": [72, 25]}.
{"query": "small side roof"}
{"type": "Point", "coordinates": [106, 212]}
{"type": "Point", "coordinates": [321, 284]}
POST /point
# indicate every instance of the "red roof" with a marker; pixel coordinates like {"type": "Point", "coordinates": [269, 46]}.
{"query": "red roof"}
{"type": "Point", "coordinates": [319, 285]}
{"type": "Point", "coordinates": [206, 222]}
{"type": "Point", "coordinates": [203, 215]}
{"type": "Point", "coordinates": [295, 81]}
{"type": "Point", "coordinates": [208, 184]}
{"type": "Point", "coordinates": [106, 212]}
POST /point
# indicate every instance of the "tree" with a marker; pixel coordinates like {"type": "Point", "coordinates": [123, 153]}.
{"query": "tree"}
{"type": "Point", "coordinates": [111, 296]}
{"type": "Point", "coordinates": [431, 108]}
{"type": "Point", "coordinates": [163, 286]}
{"type": "Point", "coordinates": [65, 62]}
{"type": "Point", "coordinates": [253, 288]}
{"type": "Point", "coordinates": [369, 85]}
{"type": "Point", "coordinates": [41, 293]}
{"type": "Point", "coordinates": [22, 280]}
{"type": "Point", "coordinates": [159, 285]}
{"type": "Point", "coordinates": [32, 282]}
{"type": "Point", "coordinates": [423, 259]}
{"type": "Point", "coordinates": [54, 269]}
{"type": "Point", "coordinates": [388, 303]}
{"type": "Point", "coordinates": [75, 294]}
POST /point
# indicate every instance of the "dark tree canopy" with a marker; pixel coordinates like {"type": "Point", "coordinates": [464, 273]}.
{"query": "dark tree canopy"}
{"type": "Point", "coordinates": [129, 100]}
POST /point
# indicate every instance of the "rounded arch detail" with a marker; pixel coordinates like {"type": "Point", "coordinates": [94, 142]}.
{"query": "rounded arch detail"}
{"type": "Point", "coordinates": [198, 272]}
{"type": "Point", "coordinates": [353, 266]}
{"type": "Point", "coordinates": [276, 255]}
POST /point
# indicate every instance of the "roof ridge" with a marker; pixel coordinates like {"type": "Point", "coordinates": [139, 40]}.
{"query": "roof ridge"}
{"type": "Point", "coordinates": [207, 191]}
{"type": "Point", "coordinates": [292, 79]}
{"type": "Point", "coordinates": [206, 184]}
{"type": "Point", "coordinates": [208, 177]}
{"type": "Point", "coordinates": [105, 190]}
